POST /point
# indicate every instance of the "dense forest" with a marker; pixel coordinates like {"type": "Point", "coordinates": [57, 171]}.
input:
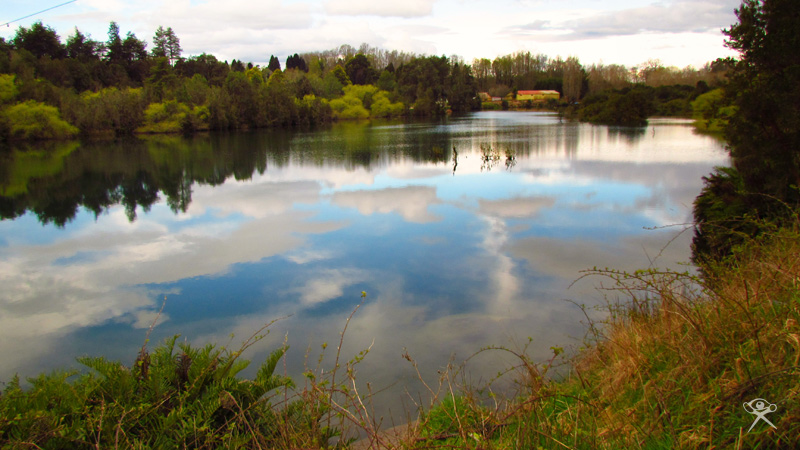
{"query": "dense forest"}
{"type": "Point", "coordinates": [50, 89]}
{"type": "Point", "coordinates": [53, 89]}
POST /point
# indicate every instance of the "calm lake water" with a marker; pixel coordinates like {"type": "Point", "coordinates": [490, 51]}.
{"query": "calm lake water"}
{"type": "Point", "coordinates": [463, 233]}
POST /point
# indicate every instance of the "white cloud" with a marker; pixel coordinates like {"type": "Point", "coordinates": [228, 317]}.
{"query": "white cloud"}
{"type": "Point", "coordinates": [260, 198]}
{"type": "Point", "coordinates": [670, 17]}
{"type": "Point", "coordinates": [144, 319]}
{"type": "Point", "coordinates": [304, 256]}
{"type": "Point", "coordinates": [516, 207]}
{"type": "Point", "coordinates": [404, 8]}
{"type": "Point", "coordinates": [664, 249]}
{"type": "Point", "coordinates": [625, 32]}
{"type": "Point", "coordinates": [410, 202]}
{"type": "Point", "coordinates": [506, 286]}
{"type": "Point", "coordinates": [329, 284]}
{"type": "Point", "coordinates": [108, 256]}
{"type": "Point", "coordinates": [328, 177]}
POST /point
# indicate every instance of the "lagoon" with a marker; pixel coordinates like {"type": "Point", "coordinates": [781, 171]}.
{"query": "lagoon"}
{"type": "Point", "coordinates": [464, 233]}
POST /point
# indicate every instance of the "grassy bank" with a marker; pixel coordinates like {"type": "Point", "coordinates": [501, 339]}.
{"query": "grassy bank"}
{"type": "Point", "coordinates": [672, 366]}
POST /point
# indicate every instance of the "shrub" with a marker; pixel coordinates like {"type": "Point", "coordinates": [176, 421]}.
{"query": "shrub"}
{"type": "Point", "coordinates": [349, 107]}
{"type": "Point", "coordinates": [313, 110]}
{"type": "Point", "coordinates": [166, 117]}
{"type": "Point", "coordinates": [176, 396]}
{"type": "Point", "coordinates": [364, 93]}
{"type": "Point", "coordinates": [111, 110]}
{"type": "Point", "coordinates": [383, 107]}
{"type": "Point", "coordinates": [8, 90]}
{"type": "Point", "coordinates": [627, 107]}
{"type": "Point", "coordinates": [711, 111]}
{"type": "Point", "coordinates": [34, 120]}
{"type": "Point", "coordinates": [195, 120]}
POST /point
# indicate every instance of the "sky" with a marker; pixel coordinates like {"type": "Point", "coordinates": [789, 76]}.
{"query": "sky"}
{"type": "Point", "coordinates": [629, 32]}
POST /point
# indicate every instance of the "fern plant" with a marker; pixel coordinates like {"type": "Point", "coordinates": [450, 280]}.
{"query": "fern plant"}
{"type": "Point", "coordinates": [176, 396]}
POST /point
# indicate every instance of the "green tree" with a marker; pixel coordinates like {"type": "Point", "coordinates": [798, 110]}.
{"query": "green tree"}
{"type": "Point", "coordinates": [341, 75]}
{"type": "Point", "coordinates": [483, 71]}
{"type": "Point", "coordinates": [502, 68]}
{"type": "Point", "coordinates": [130, 54]}
{"type": "Point", "coordinates": [331, 86]}
{"type": "Point", "coordinates": [274, 63]}
{"type": "Point", "coordinates": [213, 70]}
{"type": "Point", "coordinates": [764, 132]}
{"type": "Point", "coordinates": [81, 47]}
{"type": "Point", "coordinates": [383, 107]}
{"type": "Point", "coordinates": [573, 79]}
{"type": "Point", "coordinates": [422, 83]}
{"type": "Point", "coordinates": [114, 44]}
{"type": "Point", "coordinates": [166, 45]}
{"type": "Point", "coordinates": [40, 41]}
{"type": "Point", "coordinates": [34, 120]}
{"type": "Point", "coordinates": [625, 107]}
{"type": "Point", "coordinates": [387, 81]}
{"type": "Point", "coordinates": [359, 70]}
{"type": "Point", "coordinates": [462, 90]}
{"type": "Point", "coordinates": [195, 90]}
{"type": "Point", "coordinates": [173, 46]}
{"type": "Point", "coordinates": [296, 62]}
{"type": "Point", "coordinates": [279, 106]}
{"type": "Point", "coordinates": [162, 80]}
{"type": "Point", "coordinates": [241, 92]}
{"type": "Point", "coordinates": [160, 43]}
{"type": "Point", "coordinates": [237, 66]}
{"type": "Point", "coordinates": [711, 111]}
{"type": "Point", "coordinates": [8, 90]}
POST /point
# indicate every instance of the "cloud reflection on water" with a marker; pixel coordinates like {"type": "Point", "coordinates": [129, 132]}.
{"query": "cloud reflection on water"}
{"type": "Point", "coordinates": [451, 261]}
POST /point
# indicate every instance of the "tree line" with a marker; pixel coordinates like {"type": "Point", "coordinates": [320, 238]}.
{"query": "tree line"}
{"type": "Point", "coordinates": [50, 89]}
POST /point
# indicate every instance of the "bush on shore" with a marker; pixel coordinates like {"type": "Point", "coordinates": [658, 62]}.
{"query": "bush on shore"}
{"type": "Point", "coordinates": [33, 120]}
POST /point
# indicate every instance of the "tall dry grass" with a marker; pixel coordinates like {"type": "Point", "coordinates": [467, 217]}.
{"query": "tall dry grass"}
{"type": "Point", "coordinates": [671, 366]}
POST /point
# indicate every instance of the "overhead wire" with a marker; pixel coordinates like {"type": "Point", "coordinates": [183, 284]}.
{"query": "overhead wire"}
{"type": "Point", "coordinates": [38, 12]}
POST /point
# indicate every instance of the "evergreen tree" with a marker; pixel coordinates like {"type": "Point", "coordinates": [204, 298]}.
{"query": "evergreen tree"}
{"type": "Point", "coordinates": [114, 43]}
{"type": "Point", "coordinates": [134, 49]}
{"type": "Point", "coordinates": [274, 63]}
{"type": "Point", "coordinates": [462, 90]}
{"type": "Point", "coordinates": [40, 41]}
{"type": "Point", "coordinates": [160, 43]}
{"type": "Point", "coordinates": [208, 66]}
{"type": "Point", "coordinates": [81, 47]}
{"type": "Point", "coordinates": [764, 133]}
{"type": "Point", "coordinates": [296, 62]}
{"type": "Point", "coordinates": [359, 70]}
{"type": "Point", "coordinates": [237, 66]}
{"type": "Point", "coordinates": [173, 46]}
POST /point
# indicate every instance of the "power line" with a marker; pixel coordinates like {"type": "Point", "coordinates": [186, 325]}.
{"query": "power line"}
{"type": "Point", "coordinates": [38, 12]}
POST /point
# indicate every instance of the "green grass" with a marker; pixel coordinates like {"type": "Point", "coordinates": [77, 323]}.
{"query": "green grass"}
{"type": "Point", "coordinates": [175, 396]}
